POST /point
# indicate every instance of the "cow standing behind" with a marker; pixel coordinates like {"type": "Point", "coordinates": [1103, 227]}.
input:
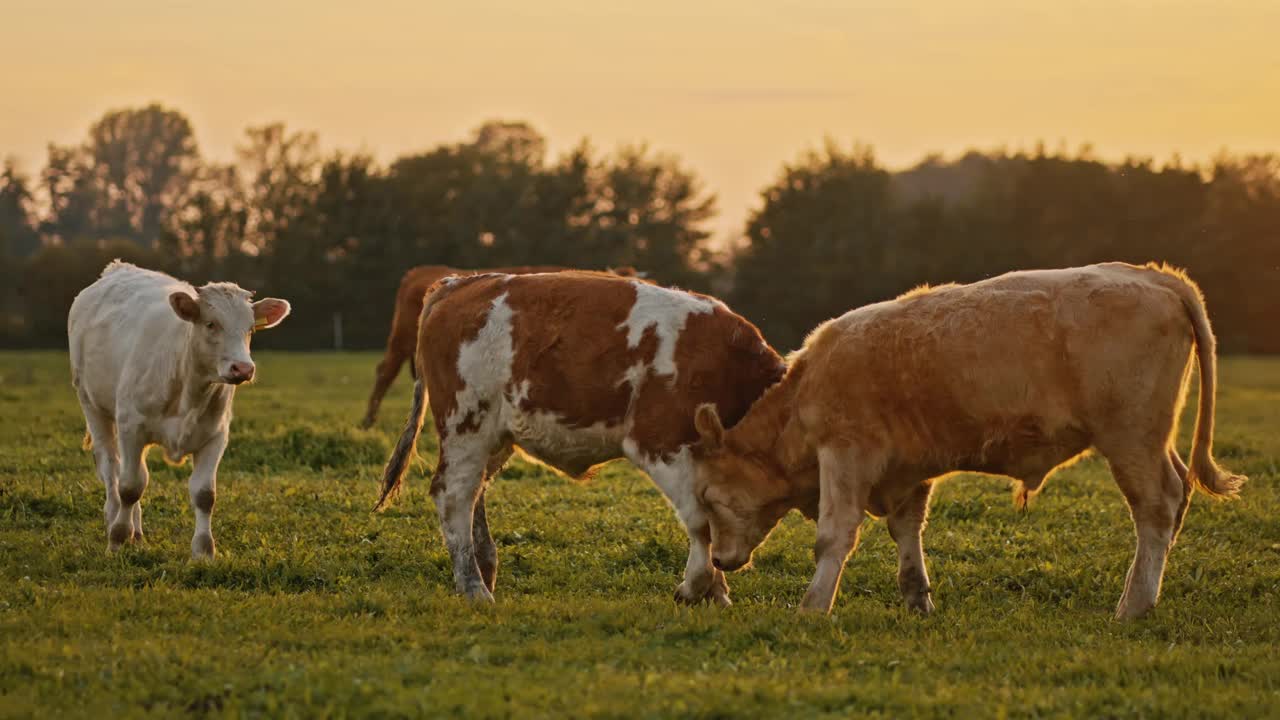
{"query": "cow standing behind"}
{"type": "Point", "coordinates": [403, 338]}
{"type": "Point", "coordinates": [155, 361]}
{"type": "Point", "coordinates": [575, 369]}
{"type": "Point", "coordinates": [1016, 376]}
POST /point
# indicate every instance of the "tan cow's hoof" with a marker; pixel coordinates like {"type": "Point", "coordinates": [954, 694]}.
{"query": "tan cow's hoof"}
{"type": "Point", "coordinates": [479, 595]}
{"type": "Point", "coordinates": [118, 535]}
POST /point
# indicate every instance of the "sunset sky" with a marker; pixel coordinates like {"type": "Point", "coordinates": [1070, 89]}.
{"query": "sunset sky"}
{"type": "Point", "coordinates": [734, 88]}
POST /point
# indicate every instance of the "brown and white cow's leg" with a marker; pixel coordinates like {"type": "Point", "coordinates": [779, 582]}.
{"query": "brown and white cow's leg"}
{"type": "Point", "coordinates": [202, 488]}
{"type": "Point", "coordinates": [906, 524]}
{"type": "Point", "coordinates": [674, 477]}
{"type": "Point", "coordinates": [486, 551]}
{"type": "Point", "coordinates": [844, 481]}
{"type": "Point", "coordinates": [1155, 493]}
{"type": "Point", "coordinates": [131, 483]}
{"type": "Point", "coordinates": [456, 486]}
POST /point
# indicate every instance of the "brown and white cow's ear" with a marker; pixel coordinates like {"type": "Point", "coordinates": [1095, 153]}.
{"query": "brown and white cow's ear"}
{"type": "Point", "coordinates": [707, 422]}
{"type": "Point", "coordinates": [268, 312]}
{"type": "Point", "coordinates": [185, 306]}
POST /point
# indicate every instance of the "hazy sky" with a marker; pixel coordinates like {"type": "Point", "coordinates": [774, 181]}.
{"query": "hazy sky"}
{"type": "Point", "coordinates": [734, 88]}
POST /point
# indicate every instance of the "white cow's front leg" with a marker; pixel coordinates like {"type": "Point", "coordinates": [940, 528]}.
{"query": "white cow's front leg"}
{"type": "Point", "coordinates": [674, 477]}
{"type": "Point", "coordinates": [131, 484]}
{"type": "Point", "coordinates": [203, 489]}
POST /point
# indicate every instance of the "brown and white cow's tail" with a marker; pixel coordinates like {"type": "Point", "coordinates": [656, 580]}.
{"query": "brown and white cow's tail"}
{"type": "Point", "coordinates": [1205, 473]}
{"type": "Point", "coordinates": [393, 474]}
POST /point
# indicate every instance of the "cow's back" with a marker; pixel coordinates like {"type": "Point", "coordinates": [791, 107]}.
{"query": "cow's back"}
{"type": "Point", "coordinates": [122, 327]}
{"type": "Point", "coordinates": [1026, 352]}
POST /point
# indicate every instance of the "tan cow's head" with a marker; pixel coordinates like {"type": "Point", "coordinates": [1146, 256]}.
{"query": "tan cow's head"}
{"type": "Point", "coordinates": [223, 321]}
{"type": "Point", "coordinates": [742, 492]}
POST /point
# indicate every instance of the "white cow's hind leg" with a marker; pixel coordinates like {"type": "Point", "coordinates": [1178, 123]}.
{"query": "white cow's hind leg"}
{"type": "Point", "coordinates": [674, 477]}
{"type": "Point", "coordinates": [203, 489]}
{"type": "Point", "coordinates": [106, 457]}
{"type": "Point", "coordinates": [457, 483]}
{"type": "Point", "coordinates": [131, 483]}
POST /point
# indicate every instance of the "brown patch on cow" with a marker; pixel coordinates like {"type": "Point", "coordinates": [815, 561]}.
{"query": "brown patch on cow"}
{"type": "Point", "coordinates": [570, 344]}
{"type": "Point", "coordinates": [471, 421]}
{"type": "Point", "coordinates": [204, 500]}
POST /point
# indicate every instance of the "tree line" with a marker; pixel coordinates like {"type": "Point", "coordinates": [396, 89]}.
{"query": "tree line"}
{"type": "Point", "coordinates": [334, 232]}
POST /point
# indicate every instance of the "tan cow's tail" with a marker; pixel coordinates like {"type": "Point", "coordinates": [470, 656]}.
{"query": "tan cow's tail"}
{"type": "Point", "coordinates": [1205, 473]}
{"type": "Point", "coordinates": [393, 474]}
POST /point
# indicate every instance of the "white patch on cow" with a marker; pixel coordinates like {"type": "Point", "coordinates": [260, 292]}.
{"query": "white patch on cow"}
{"type": "Point", "coordinates": [666, 311]}
{"type": "Point", "coordinates": [634, 375]}
{"type": "Point", "coordinates": [573, 450]}
{"type": "Point", "coordinates": [673, 474]}
{"type": "Point", "coordinates": [484, 364]}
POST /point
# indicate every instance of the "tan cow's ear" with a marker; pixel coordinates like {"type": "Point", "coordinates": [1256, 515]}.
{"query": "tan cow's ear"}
{"type": "Point", "coordinates": [268, 312]}
{"type": "Point", "coordinates": [707, 421]}
{"type": "Point", "coordinates": [185, 306]}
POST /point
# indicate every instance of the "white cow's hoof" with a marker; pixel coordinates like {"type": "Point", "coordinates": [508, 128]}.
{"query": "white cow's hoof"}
{"type": "Point", "coordinates": [203, 548]}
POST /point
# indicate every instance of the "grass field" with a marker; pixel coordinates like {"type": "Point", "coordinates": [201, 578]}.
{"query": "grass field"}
{"type": "Point", "coordinates": [317, 607]}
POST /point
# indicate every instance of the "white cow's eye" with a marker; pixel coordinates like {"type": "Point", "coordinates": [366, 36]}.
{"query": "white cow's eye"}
{"type": "Point", "coordinates": [211, 325]}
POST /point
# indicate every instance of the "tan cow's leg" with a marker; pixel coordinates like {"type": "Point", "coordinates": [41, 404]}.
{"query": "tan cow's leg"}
{"type": "Point", "coordinates": [202, 489]}
{"type": "Point", "coordinates": [906, 523]}
{"type": "Point", "coordinates": [845, 480]}
{"type": "Point", "coordinates": [384, 375]}
{"type": "Point", "coordinates": [486, 551]}
{"type": "Point", "coordinates": [131, 484]}
{"type": "Point", "coordinates": [456, 486]}
{"type": "Point", "coordinates": [1155, 492]}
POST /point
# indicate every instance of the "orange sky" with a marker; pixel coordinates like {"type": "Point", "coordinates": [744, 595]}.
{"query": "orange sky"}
{"type": "Point", "coordinates": [734, 88]}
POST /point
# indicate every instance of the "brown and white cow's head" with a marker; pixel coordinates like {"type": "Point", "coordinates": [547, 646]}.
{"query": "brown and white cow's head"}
{"type": "Point", "coordinates": [224, 320]}
{"type": "Point", "coordinates": [743, 493]}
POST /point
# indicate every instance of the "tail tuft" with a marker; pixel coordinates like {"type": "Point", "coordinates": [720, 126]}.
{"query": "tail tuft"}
{"type": "Point", "coordinates": [398, 464]}
{"type": "Point", "coordinates": [87, 442]}
{"type": "Point", "coordinates": [1215, 481]}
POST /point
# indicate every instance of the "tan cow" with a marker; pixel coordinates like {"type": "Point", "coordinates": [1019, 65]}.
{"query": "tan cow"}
{"type": "Point", "coordinates": [1017, 376]}
{"type": "Point", "coordinates": [404, 323]}
{"type": "Point", "coordinates": [576, 369]}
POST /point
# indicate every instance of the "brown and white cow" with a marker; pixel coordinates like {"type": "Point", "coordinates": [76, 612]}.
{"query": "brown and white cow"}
{"type": "Point", "coordinates": [1016, 376]}
{"type": "Point", "coordinates": [575, 369]}
{"type": "Point", "coordinates": [155, 361]}
{"type": "Point", "coordinates": [404, 323]}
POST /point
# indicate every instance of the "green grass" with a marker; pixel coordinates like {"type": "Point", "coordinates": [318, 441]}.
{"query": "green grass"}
{"type": "Point", "coordinates": [317, 607]}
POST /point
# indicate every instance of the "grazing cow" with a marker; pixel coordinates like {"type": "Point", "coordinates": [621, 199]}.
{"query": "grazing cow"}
{"type": "Point", "coordinates": [155, 361]}
{"type": "Point", "coordinates": [1016, 376]}
{"type": "Point", "coordinates": [404, 323]}
{"type": "Point", "coordinates": [575, 369]}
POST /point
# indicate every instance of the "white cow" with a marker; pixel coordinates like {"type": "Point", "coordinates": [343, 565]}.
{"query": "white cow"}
{"type": "Point", "coordinates": [155, 361]}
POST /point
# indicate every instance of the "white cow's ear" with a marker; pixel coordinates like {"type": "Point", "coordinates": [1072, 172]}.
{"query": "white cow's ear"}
{"type": "Point", "coordinates": [185, 306]}
{"type": "Point", "coordinates": [707, 421]}
{"type": "Point", "coordinates": [268, 312]}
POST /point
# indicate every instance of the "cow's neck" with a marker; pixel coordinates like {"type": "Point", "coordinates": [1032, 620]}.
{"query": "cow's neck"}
{"type": "Point", "coordinates": [196, 397]}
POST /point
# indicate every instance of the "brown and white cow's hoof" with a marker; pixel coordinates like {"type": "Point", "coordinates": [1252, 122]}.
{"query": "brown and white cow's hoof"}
{"type": "Point", "coordinates": [477, 593]}
{"type": "Point", "coordinates": [203, 548]}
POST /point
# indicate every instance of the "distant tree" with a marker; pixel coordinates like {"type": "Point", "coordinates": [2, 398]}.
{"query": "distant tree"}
{"type": "Point", "coordinates": [18, 235]}
{"type": "Point", "coordinates": [819, 245]}
{"type": "Point", "coordinates": [651, 213]}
